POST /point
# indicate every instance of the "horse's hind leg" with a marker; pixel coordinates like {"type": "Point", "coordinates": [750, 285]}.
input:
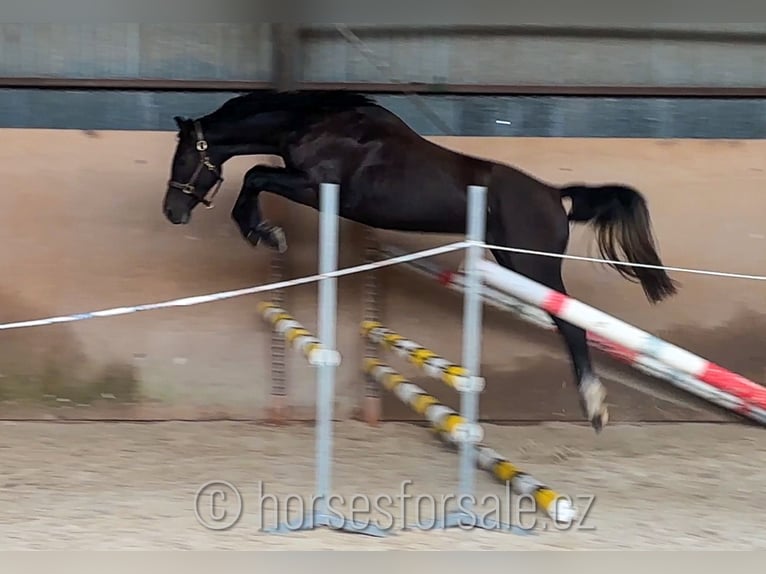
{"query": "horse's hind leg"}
{"type": "Point", "coordinates": [592, 392]}
{"type": "Point", "coordinates": [547, 270]}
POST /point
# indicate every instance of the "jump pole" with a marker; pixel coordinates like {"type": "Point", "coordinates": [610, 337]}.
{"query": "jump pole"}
{"type": "Point", "coordinates": [749, 396]}
{"type": "Point", "coordinates": [466, 379]}
{"type": "Point", "coordinates": [322, 354]}
{"type": "Point", "coordinates": [454, 281]}
{"type": "Point", "coordinates": [445, 421]}
{"type": "Point", "coordinates": [476, 223]}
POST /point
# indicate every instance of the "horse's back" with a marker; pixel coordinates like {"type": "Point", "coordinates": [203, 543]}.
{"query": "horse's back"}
{"type": "Point", "coordinates": [391, 177]}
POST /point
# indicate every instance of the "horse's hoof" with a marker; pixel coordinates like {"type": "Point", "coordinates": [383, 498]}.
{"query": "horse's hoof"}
{"type": "Point", "coordinates": [593, 395]}
{"type": "Point", "coordinates": [599, 421]}
{"type": "Point", "coordinates": [275, 238]}
{"type": "Point", "coordinates": [253, 237]}
{"type": "Point", "coordinates": [270, 235]}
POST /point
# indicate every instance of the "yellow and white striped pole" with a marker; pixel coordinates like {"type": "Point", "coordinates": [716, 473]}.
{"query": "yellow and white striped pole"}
{"type": "Point", "coordinates": [455, 376]}
{"type": "Point", "coordinates": [447, 421]}
{"type": "Point", "coordinates": [290, 329]}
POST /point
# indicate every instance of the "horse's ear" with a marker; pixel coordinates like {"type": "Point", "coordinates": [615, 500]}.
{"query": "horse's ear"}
{"type": "Point", "coordinates": [179, 121]}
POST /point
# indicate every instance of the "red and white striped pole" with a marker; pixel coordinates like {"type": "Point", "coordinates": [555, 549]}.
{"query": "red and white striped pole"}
{"type": "Point", "coordinates": [606, 327]}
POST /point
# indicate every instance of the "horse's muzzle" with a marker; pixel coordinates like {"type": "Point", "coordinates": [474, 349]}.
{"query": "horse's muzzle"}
{"type": "Point", "coordinates": [176, 209]}
{"type": "Point", "coordinates": [181, 217]}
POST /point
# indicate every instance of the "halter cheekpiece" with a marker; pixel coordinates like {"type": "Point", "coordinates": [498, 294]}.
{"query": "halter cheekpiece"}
{"type": "Point", "coordinates": [190, 188]}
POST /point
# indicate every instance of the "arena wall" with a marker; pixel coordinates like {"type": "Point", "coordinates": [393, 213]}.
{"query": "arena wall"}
{"type": "Point", "coordinates": [82, 229]}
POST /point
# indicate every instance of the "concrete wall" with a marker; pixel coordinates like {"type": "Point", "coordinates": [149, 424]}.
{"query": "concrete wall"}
{"type": "Point", "coordinates": [188, 51]}
{"type": "Point", "coordinates": [81, 229]}
{"type": "Point", "coordinates": [722, 56]}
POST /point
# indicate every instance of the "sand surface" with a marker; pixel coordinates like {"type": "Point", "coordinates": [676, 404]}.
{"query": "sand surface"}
{"type": "Point", "coordinates": [132, 486]}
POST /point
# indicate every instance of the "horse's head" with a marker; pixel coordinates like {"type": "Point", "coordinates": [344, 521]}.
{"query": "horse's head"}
{"type": "Point", "coordinates": [194, 173]}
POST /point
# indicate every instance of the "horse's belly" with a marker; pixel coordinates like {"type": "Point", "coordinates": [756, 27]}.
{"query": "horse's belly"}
{"type": "Point", "coordinates": [407, 207]}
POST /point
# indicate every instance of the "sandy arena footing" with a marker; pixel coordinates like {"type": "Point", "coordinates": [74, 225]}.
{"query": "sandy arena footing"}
{"type": "Point", "coordinates": [132, 486]}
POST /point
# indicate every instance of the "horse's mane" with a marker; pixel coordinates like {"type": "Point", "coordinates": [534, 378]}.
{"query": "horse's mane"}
{"type": "Point", "coordinates": [304, 102]}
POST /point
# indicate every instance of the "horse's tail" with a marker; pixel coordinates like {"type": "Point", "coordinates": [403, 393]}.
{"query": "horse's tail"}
{"type": "Point", "coordinates": [621, 219]}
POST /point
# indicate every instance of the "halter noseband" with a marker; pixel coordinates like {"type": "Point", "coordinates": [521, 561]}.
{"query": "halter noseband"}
{"type": "Point", "coordinates": [190, 188]}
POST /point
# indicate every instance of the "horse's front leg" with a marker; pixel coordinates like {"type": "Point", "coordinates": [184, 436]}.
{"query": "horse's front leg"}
{"type": "Point", "coordinates": [247, 215]}
{"type": "Point", "coordinates": [247, 211]}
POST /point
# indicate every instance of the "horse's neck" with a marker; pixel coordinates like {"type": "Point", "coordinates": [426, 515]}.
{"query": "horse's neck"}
{"type": "Point", "coordinates": [244, 137]}
{"type": "Point", "coordinates": [230, 151]}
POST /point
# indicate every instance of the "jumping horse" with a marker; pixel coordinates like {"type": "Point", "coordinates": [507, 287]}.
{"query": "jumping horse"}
{"type": "Point", "coordinates": [392, 178]}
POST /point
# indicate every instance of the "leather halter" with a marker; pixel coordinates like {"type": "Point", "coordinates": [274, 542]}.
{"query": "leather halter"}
{"type": "Point", "coordinates": [190, 188]}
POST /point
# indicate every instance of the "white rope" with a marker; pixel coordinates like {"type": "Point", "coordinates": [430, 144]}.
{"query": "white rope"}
{"type": "Point", "coordinates": [626, 264]}
{"type": "Point", "coordinates": [199, 299]}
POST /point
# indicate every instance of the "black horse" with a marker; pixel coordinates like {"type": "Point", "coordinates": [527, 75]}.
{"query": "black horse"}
{"type": "Point", "coordinates": [392, 178]}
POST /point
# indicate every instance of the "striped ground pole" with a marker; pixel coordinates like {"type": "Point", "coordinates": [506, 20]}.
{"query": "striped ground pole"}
{"type": "Point", "coordinates": [630, 339]}
{"type": "Point", "coordinates": [445, 420]}
{"type": "Point", "coordinates": [651, 366]}
{"type": "Point", "coordinates": [296, 335]}
{"type": "Point", "coordinates": [429, 362]}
